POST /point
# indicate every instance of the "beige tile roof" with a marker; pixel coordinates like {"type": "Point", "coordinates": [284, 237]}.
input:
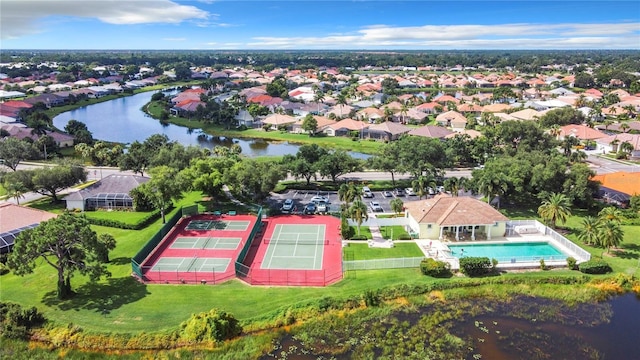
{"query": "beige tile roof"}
{"type": "Point", "coordinates": [448, 211]}
{"type": "Point", "coordinates": [390, 127]}
{"type": "Point", "coordinates": [14, 216]}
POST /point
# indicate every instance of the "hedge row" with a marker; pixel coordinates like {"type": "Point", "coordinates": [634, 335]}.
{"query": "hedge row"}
{"type": "Point", "coordinates": [143, 223]}
{"type": "Point", "coordinates": [595, 266]}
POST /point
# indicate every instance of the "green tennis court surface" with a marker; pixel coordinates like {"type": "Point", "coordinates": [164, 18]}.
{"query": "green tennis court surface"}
{"type": "Point", "coordinates": [232, 225]}
{"type": "Point", "coordinates": [192, 264]}
{"type": "Point", "coordinates": [218, 243]}
{"type": "Point", "coordinates": [296, 246]}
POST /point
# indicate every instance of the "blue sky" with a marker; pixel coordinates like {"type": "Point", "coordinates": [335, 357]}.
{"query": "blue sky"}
{"type": "Point", "coordinates": [304, 24]}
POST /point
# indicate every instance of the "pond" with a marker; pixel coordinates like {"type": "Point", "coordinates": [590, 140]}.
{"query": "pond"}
{"type": "Point", "coordinates": [122, 120]}
{"type": "Point", "coordinates": [521, 328]}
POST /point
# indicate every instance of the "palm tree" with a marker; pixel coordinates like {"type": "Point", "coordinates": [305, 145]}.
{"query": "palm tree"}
{"type": "Point", "coordinates": [624, 127]}
{"type": "Point", "coordinates": [589, 232]}
{"type": "Point", "coordinates": [607, 123]}
{"type": "Point", "coordinates": [610, 234]}
{"type": "Point", "coordinates": [452, 185]}
{"type": "Point", "coordinates": [555, 131]}
{"type": "Point", "coordinates": [578, 156]}
{"type": "Point", "coordinates": [627, 148]}
{"type": "Point", "coordinates": [610, 214]}
{"type": "Point", "coordinates": [568, 143]}
{"type": "Point", "coordinates": [358, 212]}
{"type": "Point", "coordinates": [16, 190]}
{"type": "Point", "coordinates": [403, 112]}
{"type": "Point", "coordinates": [397, 205]}
{"type": "Point", "coordinates": [490, 185]}
{"type": "Point", "coordinates": [556, 207]}
{"type": "Point", "coordinates": [422, 183]}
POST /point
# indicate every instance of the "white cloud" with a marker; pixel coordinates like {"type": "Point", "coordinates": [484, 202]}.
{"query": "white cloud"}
{"type": "Point", "coordinates": [503, 36]}
{"type": "Point", "coordinates": [21, 17]}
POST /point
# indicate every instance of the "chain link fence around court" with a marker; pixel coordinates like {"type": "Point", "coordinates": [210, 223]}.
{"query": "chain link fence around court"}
{"type": "Point", "coordinates": [282, 277]}
{"type": "Point", "coordinates": [189, 277]}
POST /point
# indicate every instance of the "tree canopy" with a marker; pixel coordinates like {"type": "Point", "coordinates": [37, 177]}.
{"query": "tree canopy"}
{"type": "Point", "coordinates": [66, 243]}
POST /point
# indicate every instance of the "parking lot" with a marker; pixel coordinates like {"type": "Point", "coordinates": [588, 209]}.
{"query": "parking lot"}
{"type": "Point", "coordinates": [302, 197]}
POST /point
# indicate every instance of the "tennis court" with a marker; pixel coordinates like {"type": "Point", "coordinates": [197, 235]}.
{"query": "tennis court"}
{"type": "Point", "coordinates": [230, 225]}
{"type": "Point", "coordinates": [295, 246]}
{"type": "Point", "coordinates": [216, 243]}
{"type": "Point", "coordinates": [183, 264]}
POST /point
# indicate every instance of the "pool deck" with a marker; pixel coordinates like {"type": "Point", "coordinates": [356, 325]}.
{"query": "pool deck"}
{"type": "Point", "coordinates": [439, 250]}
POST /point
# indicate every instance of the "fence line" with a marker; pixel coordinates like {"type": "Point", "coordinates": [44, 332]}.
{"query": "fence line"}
{"type": "Point", "coordinates": [580, 253]}
{"type": "Point", "coordinates": [396, 263]}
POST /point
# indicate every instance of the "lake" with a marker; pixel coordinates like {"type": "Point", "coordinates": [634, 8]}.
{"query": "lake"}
{"type": "Point", "coordinates": [122, 120]}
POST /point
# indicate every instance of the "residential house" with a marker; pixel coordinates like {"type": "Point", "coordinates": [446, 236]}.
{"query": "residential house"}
{"type": "Point", "coordinates": [618, 187]}
{"type": "Point", "coordinates": [279, 120]}
{"type": "Point", "coordinates": [111, 192]}
{"type": "Point", "coordinates": [323, 124]}
{"type": "Point", "coordinates": [452, 119]}
{"type": "Point", "coordinates": [387, 131]}
{"type": "Point", "coordinates": [16, 219]}
{"type": "Point", "coordinates": [244, 118]}
{"type": "Point", "coordinates": [456, 218]}
{"type": "Point", "coordinates": [612, 143]}
{"type": "Point", "coordinates": [345, 127]}
{"type": "Point", "coordinates": [581, 132]}
{"type": "Point", "coordinates": [431, 131]}
{"type": "Point", "coordinates": [527, 114]}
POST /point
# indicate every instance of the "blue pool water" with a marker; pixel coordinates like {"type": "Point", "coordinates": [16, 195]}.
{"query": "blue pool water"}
{"type": "Point", "coordinates": [510, 252]}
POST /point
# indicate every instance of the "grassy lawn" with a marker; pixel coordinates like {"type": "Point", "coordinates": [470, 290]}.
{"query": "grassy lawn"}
{"type": "Point", "coordinates": [364, 231]}
{"type": "Point", "coordinates": [393, 232]}
{"type": "Point", "coordinates": [127, 217]}
{"type": "Point", "coordinates": [364, 252]}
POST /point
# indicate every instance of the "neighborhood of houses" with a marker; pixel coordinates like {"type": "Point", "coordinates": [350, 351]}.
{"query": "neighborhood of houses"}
{"type": "Point", "coordinates": [367, 112]}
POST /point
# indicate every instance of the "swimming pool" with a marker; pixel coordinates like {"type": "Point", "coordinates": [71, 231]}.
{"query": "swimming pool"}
{"type": "Point", "coordinates": [510, 252]}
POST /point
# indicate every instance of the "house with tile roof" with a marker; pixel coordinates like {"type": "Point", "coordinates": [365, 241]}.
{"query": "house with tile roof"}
{"type": "Point", "coordinates": [345, 127]}
{"type": "Point", "coordinates": [387, 131]}
{"type": "Point", "coordinates": [445, 217]}
{"type": "Point", "coordinates": [14, 219]}
{"type": "Point", "coordinates": [612, 143]}
{"type": "Point", "coordinates": [431, 131]}
{"type": "Point", "coordinates": [618, 187]}
{"type": "Point", "coordinates": [323, 124]}
{"type": "Point", "coordinates": [279, 120]}
{"type": "Point", "coordinates": [452, 119]}
{"type": "Point", "coordinates": [111, 192]}
{"type": "Point", "coordinates": [581, 132]}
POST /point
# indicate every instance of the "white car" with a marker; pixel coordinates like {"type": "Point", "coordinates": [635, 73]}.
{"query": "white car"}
{"type": "Point", "coordinates": [316, 199]}
{"type": "Point", "coordinates": [366, 192]}
{"type": "Point", "coordinates": [322, 206]}
{"type": "Point", "coordinates": [409, 192]}
{"type": "Point", "coordinates": [287, 205]}
{"type": "Point", "coordinates": [441, 189]}
{"type": "Point", "coordinates": [375, 206]}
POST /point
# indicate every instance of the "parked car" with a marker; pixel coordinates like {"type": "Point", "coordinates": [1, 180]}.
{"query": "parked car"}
{"type": "Point", "coordinates": [441, 189]}
{"type": "Point", "coordinates": [431, 191]}
{"type": "Point", "coordinates": [322, 207]}
{"type": "Point", "coordinates": [287, 206]}
{"type": "Point", "coordinates": [387, 193]}
{"type": "Point", "coordinates": [316, 199]}
{"type": "Point", "coordinates": [399, 192]}
{"type": "Point", "coordinates": [310, 208]}
{"type": "Point", "coordinates": [409, 192]}
{"type": "Point", "coordinates": [375, 206]}
{"type": "Point", "coordinates": [366, 192]}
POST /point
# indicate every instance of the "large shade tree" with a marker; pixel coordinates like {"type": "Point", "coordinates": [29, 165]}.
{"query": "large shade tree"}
{"type": "Point", "coordinates": [165, 185]}
{"type": "Point", "coordinates": [66, 243]}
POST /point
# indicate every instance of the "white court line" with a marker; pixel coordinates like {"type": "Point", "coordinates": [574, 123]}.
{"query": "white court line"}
{"type": "Point", "coordinates": [278, 227]}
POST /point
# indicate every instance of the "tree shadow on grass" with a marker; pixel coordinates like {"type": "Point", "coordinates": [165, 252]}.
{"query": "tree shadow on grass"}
{"type": "Point", "coordinates": [102, 297]}
{"type": "Point", "coordinates": [631, 247]}
{"type": "Point", "coordinates": [123, 260]}
{"type": "Point", "coordinates": [625, 254]}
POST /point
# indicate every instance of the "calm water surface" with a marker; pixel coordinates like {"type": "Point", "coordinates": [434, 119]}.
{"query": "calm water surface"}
{"type": "Point", "coordinates": [122, 120]}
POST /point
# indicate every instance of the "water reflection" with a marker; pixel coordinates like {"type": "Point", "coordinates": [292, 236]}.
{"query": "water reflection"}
{"type": "Point", "coordinates": [122, 120]}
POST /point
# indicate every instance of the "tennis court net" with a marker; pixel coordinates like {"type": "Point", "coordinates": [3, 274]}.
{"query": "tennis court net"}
{"type": "Point", "coordinates": [296, 242]}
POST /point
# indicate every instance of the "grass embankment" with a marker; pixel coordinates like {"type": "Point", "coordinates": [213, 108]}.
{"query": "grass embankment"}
{"type": "Point", "coordinates": [333, 142]}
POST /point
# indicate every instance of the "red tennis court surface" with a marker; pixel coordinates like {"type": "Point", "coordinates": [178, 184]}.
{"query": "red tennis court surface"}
{"type": "Point", "coordinates": [258, 254]}
{"type": "Point", "coordinates": [202, 249]}
{"type": "Point", "coordinates": [176, 260]}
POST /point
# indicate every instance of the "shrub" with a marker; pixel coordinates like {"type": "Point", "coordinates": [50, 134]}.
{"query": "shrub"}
{"type": "Point", "coordinates": [571, 263]}
{"type": "Point", "coordinates": [146, 221]}
{"type": "Point", "coordinates": [596, 266]}
{"type": "Point", "coordinates": [475, 266]}
{"type": "Point", "coordinates": [404, 237]}
{"type": "Point", "coordinates": [358, 237]}
{"type": "Point", "coordinates": [16, 322]}
{"type": "Point", "coordinates": [215, 325]}
{"type": "Point", "coordinates": [435, 268]}
{"type": "Point", "coordinates": [543, 266]}
{"type": "Point", "coordinates": [371, 298]}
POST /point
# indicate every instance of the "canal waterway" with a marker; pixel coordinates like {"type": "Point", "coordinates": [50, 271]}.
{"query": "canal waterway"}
{"type": "Point", "coordinates": [122, 120]}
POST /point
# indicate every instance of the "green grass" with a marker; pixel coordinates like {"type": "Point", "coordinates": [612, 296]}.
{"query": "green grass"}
{"type": "Point", "coordinates": [364, 252]}
{"type": "Point", "coordinates": [3, 191]}
{"type": "Point", "coordinates": [364, 231]}
{"type": "Point", "coordinates": [126, 217]}
{"type": "Point", "coordinates": [395, 231]}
